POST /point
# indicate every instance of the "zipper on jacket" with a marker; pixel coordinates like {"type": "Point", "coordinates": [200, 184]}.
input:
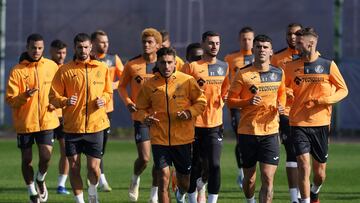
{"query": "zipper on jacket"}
{"type": "Point", "coordinates": [38, 91]}
{"type": "Point", "coordinates": [86, 96]}
{"type": "Point", "coordinates": [167, 106]}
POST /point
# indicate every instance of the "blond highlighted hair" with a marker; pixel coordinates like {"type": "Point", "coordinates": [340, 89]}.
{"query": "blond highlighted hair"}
{"type": "Point", "coordinates": [152, 32]}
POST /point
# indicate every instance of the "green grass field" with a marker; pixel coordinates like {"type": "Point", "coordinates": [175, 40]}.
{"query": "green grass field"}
{"type": "Point", "coordinates": [342, 184]}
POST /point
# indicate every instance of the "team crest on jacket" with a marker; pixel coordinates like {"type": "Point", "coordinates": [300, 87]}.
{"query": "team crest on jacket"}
{"type": "Point", "coordinates": [273, 77]}
{"type": "Point", "coordinates": [220, 71]}
{"type": "Point", "coordinates": [319, 69]}
{"type": "Point", "coordinates": [98, 74]}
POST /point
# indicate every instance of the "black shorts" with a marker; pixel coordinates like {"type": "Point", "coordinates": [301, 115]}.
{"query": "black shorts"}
{"type": "Point", "coordinates": [58, 132]}
{"type": "Point", "coordinates": [285, 134]}
{"type": "Point", "coordinates": [313, 140]}
{"type": "Point", "coordinates": [90, 144]}
{"type": "Point", "coordinates": [26, 140]}
{"type": "Point", "coordinates": [264, 149]}
{"type": "Point", "coordinates": [141, 132]}
{"type": "Point", "coordinates": [179, 155]}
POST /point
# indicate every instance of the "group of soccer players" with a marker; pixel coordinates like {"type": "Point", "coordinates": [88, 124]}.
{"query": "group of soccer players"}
{"type": "Point", "coordinates": [177, 112]}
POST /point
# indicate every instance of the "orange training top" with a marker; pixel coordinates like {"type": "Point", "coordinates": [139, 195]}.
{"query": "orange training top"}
{"type": "Point", "coordinates": [115, 69]}
{"type": "Point", "coordinates": [237, 60]}
{"type": "Point", "coordinates": [259, 119]}
{"type": "Point", "coordinates": [136, 71]}
{"type": "Point", "coordinates": [314, 81]}
{"type": "Point", "coordinates": [214, 81]}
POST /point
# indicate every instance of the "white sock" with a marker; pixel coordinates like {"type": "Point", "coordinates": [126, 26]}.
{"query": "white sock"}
{"type": "Point", "coordinates": [102, 179]}
{"type": "Point", "coordinates": [92, 190]}
{"type": "Point", "coordinates": [154, 193]}
{"type": "Point", "coordinates": [293, 194]}
{"type": "Point", "coordinates": [315, 189]}
{"type": "Point", "coordinates": [62, 180]}
{"type": "Point", "coordinates": [79, 198]}
{"type": "Point", "coordinates": [40, 177]}
{"type": "Point", "coordinates": [212, 198]}
{"type": "Point", "coordinates": [200, 184]}
{"type": "Point", "coordinates": [307, 200]}
{"type": "Point", "coordinates": [241, 173]}
{"type": "Point", "coordinates": [31, 189]}
{"type": "Point", "coordinates": [192, 197]}
{"type": "Point", "coordinates": [251, 200]}
{"type": "Point", "coordinates": [135, 178]}
{"type": "Point", "coordinates": [179, 195]}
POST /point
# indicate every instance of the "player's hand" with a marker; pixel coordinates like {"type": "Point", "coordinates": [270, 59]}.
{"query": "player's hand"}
{"type": "Point", "coordinates": [255, 100]}
{"type": "Point", "coordinates": [100, 102]}
{"type": "Point", "coordinates": [183, 115]}
{"type": "Point", "coordinates": [51, 107]}
{"type": "Point", "coordinates": [132, 108]}
{"type": "Point", "coordinates": [281, 109]}
{"type": "Point", "coordinates": [150, 119]}
{"type": "Point", "coordinates": [72, 100]}
{"type": "Point", "coordinates": [30, 92]}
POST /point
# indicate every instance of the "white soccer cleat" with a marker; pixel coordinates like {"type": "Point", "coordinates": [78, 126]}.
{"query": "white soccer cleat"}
{"type": "Point", "coordinates": [42, 191]}
{"type": "Point", "coordinates": [105, 187]}
{"type": "Point", "coordinates": [134, 190]}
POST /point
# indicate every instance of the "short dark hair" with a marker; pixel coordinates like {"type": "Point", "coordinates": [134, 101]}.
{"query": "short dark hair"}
{"type": "Point", "coordinates": [191, 46]}
{"type": "Point", "coordinates": [246, 30]}
{"type": "Point", "coordinates": [262, 38]}
{"type": "Point", "coordinates": [165, 35]}
{"type": "Point", "coordinates": [209, 34]}
{"type": "Point", "coordinates": [58, 44]}
{"type": "Point", "coordinates": [308, 31]}
{"type": "Point", "coordinates": [96, 33]}
{"type": "Point", "coordinates": [81, 37]}
{"type": "Point", "coordinates": [291, 25]}
{"type": "Point", "coordinates": [34, 37]}
{"type": "Point", "coordinates": [166, 51]}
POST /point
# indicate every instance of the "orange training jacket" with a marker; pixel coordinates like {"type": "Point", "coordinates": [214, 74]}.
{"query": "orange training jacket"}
{"type": "Point", "coordinates": [88, 80]}
{"type": "Point", "coordinates": [115, 70]}
{"type": "Point", "coordinates": [214, 81]}
{"type": "Point", "coordinates": [279, 60]}
{"type": "Point", "coordinates": [262, 119]}
{"type": "Point", "coordinates": [237, 60]}
{"type": "Point", "coordinates": [31, 114]}
{"type": "Point", "coordinates": [166, 97]}
{"type": "Point", "coordinates": [314, 81]}
{"type": "Point", "coordinates": [136, 72]}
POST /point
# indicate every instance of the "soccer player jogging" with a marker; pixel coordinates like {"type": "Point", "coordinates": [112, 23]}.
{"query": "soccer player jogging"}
{"type": "Point", "coordinates": [316, 83]}
{"type": "Point", "coordinates": [259, 91]}
{"type": "Point", "coordinates": [279, 60]}
{"type": "Point", "coordinates": [100, 45]}
{"type": "Point", "coordinates": [58, 54]}
{"type": "Point", "coordinates": [136, 71]}
{"type": "Point", "coordinates": [168, 103]}
{"type": "Point", "coordinates": [82, 88]}
{"type": "Point", "coordinates": [194, 52]}
{"type": "Point", "coordinates": [167, 43]}
{"type": "Point", "coordinates": [212, 77]}
{"type": "Point", "coordinates": [34, 117]}
{"type": "Point", "coordinates": [237, 60]}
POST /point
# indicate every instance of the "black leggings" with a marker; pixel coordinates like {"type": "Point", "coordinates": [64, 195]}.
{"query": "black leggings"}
{"type": "Point", "coordinates": [209, 145]}
{"type": "Point", "coordinates": [107, 132]}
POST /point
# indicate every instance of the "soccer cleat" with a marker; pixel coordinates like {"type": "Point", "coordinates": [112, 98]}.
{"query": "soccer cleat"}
{"type": "Point", "coordinates": [314, 198]}
{"type": "Point", "coordinates": [134, 190]}
{"type": "Point", "coordinates": [62, 190]}
{"type": "Point", "coordinates": [93, 199]}
{"type": "Point", "coordinates": [34, 199]}
{"type": "Point", "coordinates": [105, 187]}
{"type": "Point", "coordinates": [42, 190]}
{"type": "Point", "coordinates": [239, 181]}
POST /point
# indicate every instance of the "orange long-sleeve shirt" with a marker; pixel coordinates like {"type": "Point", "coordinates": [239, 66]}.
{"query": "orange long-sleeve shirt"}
{"type": "Point", "coordinates": [279, 60]}
{"type": "Point", "coordinates": [116, 68]}
{"type": "Point", "coordinates": [237, 60]}
{"type": "Point", "coordinates": [166, 97]}
{"type": "Point", "coordinates": [314, 81]}
{"type": "Point", "coordinates": [31, 114]}
{"type": "Point", "coordinates": [214, 81]}
{"type": "Point", "coordinates": [270, 85]}
{"type": "Point", "coordinates": [136, 72]}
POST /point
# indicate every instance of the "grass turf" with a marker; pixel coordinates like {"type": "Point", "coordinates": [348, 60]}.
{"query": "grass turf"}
{"type": "Point", "coordinates": [342, 183]}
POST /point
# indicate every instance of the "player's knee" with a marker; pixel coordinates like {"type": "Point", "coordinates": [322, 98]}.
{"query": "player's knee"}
{"type": "Point", "coordinates": [144, 160]}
